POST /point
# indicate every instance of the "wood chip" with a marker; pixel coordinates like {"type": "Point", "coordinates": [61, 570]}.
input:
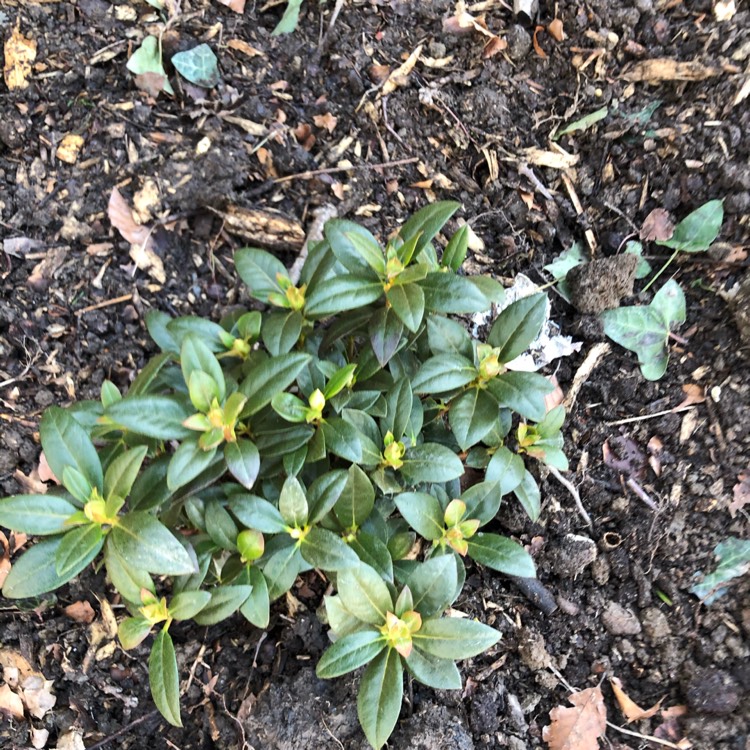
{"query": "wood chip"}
{"type": "Point", "coordinates": [266, 228]}
{"type": "Point", "coordinates": [667, 69]}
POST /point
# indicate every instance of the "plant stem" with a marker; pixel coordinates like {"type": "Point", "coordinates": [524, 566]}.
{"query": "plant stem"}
{"type": "Point", "coordinates": [661, 270]}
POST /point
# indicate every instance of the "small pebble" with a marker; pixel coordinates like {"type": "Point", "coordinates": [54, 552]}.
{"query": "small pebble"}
{"type": "Point", "coordinates": [620, 621]}
{"type": "Point", "coordinates": [519, 42]}
{"type": "Point", "coordinates": [713, 691]}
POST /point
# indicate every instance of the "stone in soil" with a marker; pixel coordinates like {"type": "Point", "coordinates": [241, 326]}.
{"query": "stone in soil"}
{"type": "Point", "coordinates": [713, 691]}
{"type": "Point", "coordinates": [620, 621]}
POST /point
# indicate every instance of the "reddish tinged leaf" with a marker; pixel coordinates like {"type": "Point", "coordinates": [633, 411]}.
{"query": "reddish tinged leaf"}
{"type": "Point", "coordinates": [657, 226]}
{"type": "Point", "coordinates": [80, 611]}
{"type": "Point", "coordinates": [578, 728]}
{"type": "Point", "coordinates": [238, 6]}
{"type": "Point", "coordinates": [632, 711]}
{"type": "Point", "coordinates": [538, 47]}
{"type": "Point", "coordinates": [121, 216]}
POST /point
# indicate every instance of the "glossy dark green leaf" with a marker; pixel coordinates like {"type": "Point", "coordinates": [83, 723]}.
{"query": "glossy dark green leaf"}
{"type": "Point", "coordinates": [256, 608]}
{"type": "Point", "coordinates": [506, 468]}
{"type": "Point", "coordinates": [66, 443]}
{"type": "Point", "coordinates": [243, 461]}
{"type": "Point", "coordinates": [523, 392]}
{"type": "Point", "coordinates": [258, 269]}
{"type": "Point", "coordinates": [282, 442]}
{"type": "Point", "coordinates": [195, 355]}
{"type": "Point", "coordinates": [293, 503]}
{"type": "Point", "coordinates": [76, 484]}
{"type": "Point", "coordinates": [364, 594]}
{"type": "Point", "coordinates": [36, 514]}
{"type": "Point", "coordinates": [342, 293]}
{"type": "Point", "coordinates": [373, 552]}
{"type": "Point", "coordinates": [207, 331]}
{"type": "Point", "coordinates": [385, 331]}
{"type": "Point", "coordinates": [501, 554]}
{"type": "Point", "coordinates": [407, 302]}
{"type": "Point", "coordinates": [290, 407]}
{"type": "Point", "coordinates": [441, 674]}
{"type": "Point", "coordinates": [325, 550]}
{"type": "Point", "coordinates": [349, 653]}
{"type": "Point", "coordinates": [147, 544]}
{"type": "Point", "coordinates": [454, 638]}
{"type": "Point", "coordinates": [344, 440]}
{"type": "Point", "coordinates": [517, 326]}
{"type": "Point", "coordinates": [354, 247]}
{"type": "Point", "coordinates": [257, 513]}
{"type": "Point", "coordinates": [433, 584]}
{"type": "Point", "coordinates": [443, 373]}
{"type": "Point", "coordinates": [529, 496]}
{"type": "Point", "coordinates": [324, 493]}
{"type": "Point", "coordinates": [444, 292]}
{"type": "Point", "coordinates": [426, 223]}
{"type": "Point", "coordinates": [159, 417]}
{"type": "Point", "coordinates": [220, 526]}
{"type": "Point", "coordinates": [281, 331]}
{"type": "Point", "coordinates": [379, 698]}
{"type": "Point", "coordinates": [186, 605]}
{"type": "Point", "coordinates": [77, 549]}
{"type": "Point", "coordinates": [422, 512]}
{"type": "Point", "coordinates": [123, 471]}
{"type": "Point", "coordinates": [33, 573]}
{"type": "Point", "coordinates": [356, 500]}
{"type": "Point", "coordinates": [157, 323]}
{"type": "Point", "coordinates": [482, 501]}
{"type": "Point", "coordinates": [431, 462]}
{"type": "Point", "coordinates": [472, 415]}
{"type": "Point", "coordinates": [455, 251]}
{"type": "Point", "coordinates": [188, 461]}
{"type": "Point", "coordinates": [446, 336]}
{"type": "Point", "coordinates": [132, 631]}
{"type": "Point", "coordinates": [270, 377]}
{"type": "Point", "coordinates": [164, 678]}
{"type": "Point", "coordinates": [281, 570]}
{"type": "Point", "coordinates": [225, 601]}
{"type": "Point", "coordinates": [398, 399]}
{"type": "Point", "coordinates": [127, 579]}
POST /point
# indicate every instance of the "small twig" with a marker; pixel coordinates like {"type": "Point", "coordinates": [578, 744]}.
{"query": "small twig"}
{"type": "Point", "coordinates": [623, 216]}
{"type": "Point", "coordinates": [124, 730]}
{"type": "Point", "coordinates": [648, 737]}
{"type": "Point", "coordinates": [574, 492]}
{"type": "Point", "coordinates": [655, 415]}
{"type": "Point", "coordinates": [641, 493]}
{"type": "Point", "coordinates": [320, 216]}
{"type": "Point", "coordinates": [106, 303]}
{"type": "Point", "coordinates": [526, 171]}
{"type": "Point", "coordinates": [537, 593]}
{"type": "Point", "coordinates": [353, 168]}
{"type": "Point", "coordinates": [584, 371]}
{"type": "Point", "coordinates": [323, 44]}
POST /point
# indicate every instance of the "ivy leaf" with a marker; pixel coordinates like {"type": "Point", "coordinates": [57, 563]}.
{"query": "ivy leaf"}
{"type": "Point", "coordinates": [164, 678]}
{"type": "Point", "coordinates": [289, 20]}
{"type": "Point", "coordinates": [734, 561]}
{"type": "Point", "coordinates": [379, 698]}
{"type": "Point", "coordinates": [147, 59]}
{"type": "Point", "coordinates": [697, 230]}
{"type": "Point", "coordinates": [198, 65]}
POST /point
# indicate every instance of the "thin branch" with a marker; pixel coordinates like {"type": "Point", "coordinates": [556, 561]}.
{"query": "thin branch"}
{"type": "Point", "coordinates": [353, 168]}
{"type": "Point", "coordinates": [574, 492]}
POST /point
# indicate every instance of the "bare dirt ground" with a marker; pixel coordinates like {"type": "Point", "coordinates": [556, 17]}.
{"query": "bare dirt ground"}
{"type": "Point", "coordinates": [299, 122]}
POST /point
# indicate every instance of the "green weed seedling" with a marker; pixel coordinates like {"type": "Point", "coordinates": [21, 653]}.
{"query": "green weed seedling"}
{"type": "Point", "coordinates": [328, 431]}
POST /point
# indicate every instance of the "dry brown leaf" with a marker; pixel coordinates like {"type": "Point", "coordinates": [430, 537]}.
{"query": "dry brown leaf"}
{"type": "Point", "coordinates": [42, 273]}
{"type": "Point", "coordinates": [494, 46]}
{"type": "Point", "coordinates": [462, 22]}
{"type": "Point", "coordinates": [45, 472]}
{"type": "Point", "coordinates": [39, 737]}
{"type": "Point", "coordinates": [741, 493]}
{"type": "Point", "coordinates": [121, 216]}
{"type": "Point", "coordinates": [400, 76]}
{"type": "Point", "coordinates": [694, 394]}
{"type": "Point", "coordinates": [20, 52]}
{"type": "Point", "coordinates": [238, 6]}
{"type": "Point", "coordinates": [724, 10]}
{"type": "Point", "coordinates": [558, 159]}
{"type": "Point", "coordinates": [632, 711]}
{"type": "Point", "coordinates": [12, 659]}
{"type": "Point", "coordinates": [326, 122]}
{"type": "Point", "coordinates": [242, 46]}
{"type": "Point", "coordinates": [667, 69]}
{"type": "Point", "coordinates": [80, 611]}
{"type": "Point", "coordinates": [10, 703]}
{"type": "Point", "coordinates": [578, 728]}
{"type": "Point", "coordinates": [556, 397]}
{"type": "Point", "coordinates": [37, 695]}
{"type": "Point", "coordinates": [147, 260]}
{"type": "Point", "coordinates": [70, 740]}
{"type": "Point", "coordinates": [555, 30]}
{"type": "Point", "coordinates": [31, 484]}
{"type": "Point", "coordinates": [151, 83]}
{"type": "Point", "coordinates": [69, 148]}
{"type": "Point", "coordinates": [657, 226]}
{"type": "Point", "coordinates": [538, 47]}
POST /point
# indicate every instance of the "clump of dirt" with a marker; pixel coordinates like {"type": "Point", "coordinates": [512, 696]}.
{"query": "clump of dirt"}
{"type": "Point", "coordinates": [600, 284]}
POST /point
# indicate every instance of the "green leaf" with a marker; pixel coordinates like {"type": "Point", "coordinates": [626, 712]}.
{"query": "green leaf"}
{"type": "Point", "coordinates": [523, 392]}
{"type": "Point", "coordinates": [446, 336]}
{"type": "Point", "coordinates": [444, 292]}
{"type": "Point", "coordinates": [356, 500]}
{"type": "Point", "coordinates": [385, 330]}
{"type": "Point", "coordinates": [186, 605]}
{"type": "Point", "coordinates": [225, 601]}
{"type": "Point", "coordinates": [259, 270]}
{"type": "Point", "coordinates": [281, 570]}
{"type": "Point", "coordinates": [123, 471]}
{"type": "Point", "coordinates": [574, 256]}
{"type": "Point", "coordinates": [257, 513]}
{"type": "Point", "coordinates": [77, 484]}
{"type": "Point", "coordinates": [109, 393]}
{"type": "Point", "coordinates": [529, 496]}
{"type": "Point", "coordinates": [290, 408]}
{"type": "Point", "coordinates": [346, 441]}
{"type": "Point", "coordinates": [431, 462]}
{"type": "Point", "coordinates": [472, 415]}
{"type": "Point", "coordinates": [733, 556]}
{"type": "Point", "coordinates": [156, 323]}
{"type": "Point", "coordinates": [501, 554]}
{"type": "Point", "coordinates": [379, 698]}
{"type": "Point", "coordinates": [132, 631]}
{"type": "Point", "coordinates": [349, 653]}
{"type": "Point", "coordinates": [256, 608]}
{"type": "Point", "coordinates": [433, 584]}
{"type": "Point", "coordinates": [281, 331]}
{"type": "Point", "coordinates": [270, 377]}
{"type": "Point", "coordinates": [454, 638]}
{"type": "Point", "coordinates": [342, 293]}
{"type": "Point", "coordinates": [34, 572]}
{"type": "Point", "coordinates": [220, 526]}
{"type": "Point", "coordinates": [506, 468]}
{"type": "Point", "coordinates": [698, 230]}
{"type": "Point", "coordinates": [373, 552]}
{"type": "Point", "coordinates": [324, 493]}
{"type": "Point", "coordinates": [426, 223]}
{"type": "Point", "coordinates": [128, 580]}
{"type": "Point", "coordinates": [483, 500]}
{"type": "Point", "coordinates": [198, 65]}
{"type": "Point", "coordinates": [398, 399]}
{"type": "Point", "coordinates": [669, 303]}
{"type": "Point", "coordinates": [293, 503]}
{"type": "Point", "coordinates": [188, 461]}
{"type": "Point", "coordinates": [644, 267]}
{"type": "Point", "coordinates": [150, 489]}
{"type": "Point", "coordinates": [195, 355]}
{"type": "Point", "coordinates": [407, 302]}
{"type": "Point", "coordinates": [164, 678]}
{"type": "Point", "coordinates": [148, 545]}
{"type": "Point", "coordinates": [455, 251]}
{"type": "Point", "coordinates": [66, 443]}
{"type": "Point", "coordinates": [149, 374]}
{"type": "Point", "coordinates": [77, 549]}
{"type": "Point", "coordinates": [36, 514]}
{"type": "Point", "coordinates": [147, 59]}
{"type": "Point", "coordinates": [441, 674]}
{"type": "Point", "coordinates": [422, 512]}
{"type": "Point", "coordinates": [584, 123]}
{"type": "Point", "coordinates": [325, 550]}
{"type": "Point", "coordinates": [210, 333]}
{"type": "Point", "coordinates": [243, 461]}
{"type": "Point", "coordinates": [364, 593]}
{"type": "Point", "coordinates": [290, 19]}
{"type": "Point", "coordinates": [443, 373]}
{"type": "Point", "coordinates": [159, 417]}
{"type": "Point", "coordinates": [517, 326]}
{"type": "Point", "coordinates": [354, 247]}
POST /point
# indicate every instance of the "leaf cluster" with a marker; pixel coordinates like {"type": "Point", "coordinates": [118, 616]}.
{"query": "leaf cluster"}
{"type": "Point", "coordinates": [329, 430]}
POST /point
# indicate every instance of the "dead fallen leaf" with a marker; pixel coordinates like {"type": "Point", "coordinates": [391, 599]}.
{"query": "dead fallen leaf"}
{"type": "Point", "coordinates": [724, 10]}
{"type": "Point", "coordinates": [37, 695]}
{"type": "Point", "coordinates": [327, 121]}
{"type": "Point", "coordinates": [70, 740]}
{"type": "Point", "coordinates": [741, 493]}
{"type": "Point", "coordinates": [667, 69]}
{"type": "Point", "coordinates": [551, 400]}
{"type": "Point", "coordinates": [121, 216]}
{"type": "Point", "coordinates": [623, 454]}
{"type": "Point", "coordinates": [657, 226]}
{"type": "Point", "coordinates": [147, 260]}
{"type": "Point", "coordinates": [238, 6]}
{"type": "Point", "coordinates": [20, 246]}
{"type": "Point", "coordinates": [632, 711]}
{"type": "Point", "coordinates": [39, 737]}
{"type": "Point", "coordinates": [20, 53]}
{"type": "Point", "coordinates": [80, 611]}
{"type": "Point", "coordinates": [45, 472]}
{"type": "Point", "coordinates": [578, 728]}
{"type": "Point", "coordinates": [555, 30]}
{"type": "Point", "coordinates": [694, 394]}
{"type": "Point", "coordinates": [558, 159]}
{"type": "Point", "coordinates": [400, 76]}
{"type": "Point", "coordinates": [462, 22]}
{"type": "Point", "coordinates": [655, 448]}
{"type": "Point", "coordinates": [538, 47]}
{"type": "Point", "coordinates": [10, 703]}
{"type": "Point", "coordinates": [69, 148]}
{"type": "Point", "coordinates": [32, 483]}
{"type": "Point", "coordinates": [42, 273]}
{"type": "Point", "coordinates": [152, 83]}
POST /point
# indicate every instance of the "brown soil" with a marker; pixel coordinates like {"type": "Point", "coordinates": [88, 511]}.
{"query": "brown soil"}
{"type": "Point", "coordinates": [462, 125]}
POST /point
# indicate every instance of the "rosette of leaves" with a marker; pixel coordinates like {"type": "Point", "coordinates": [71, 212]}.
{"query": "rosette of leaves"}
{"type": "Point", "coordinates": [390, 633]}
{"type": "Point", "coordinates": [329, 431]}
